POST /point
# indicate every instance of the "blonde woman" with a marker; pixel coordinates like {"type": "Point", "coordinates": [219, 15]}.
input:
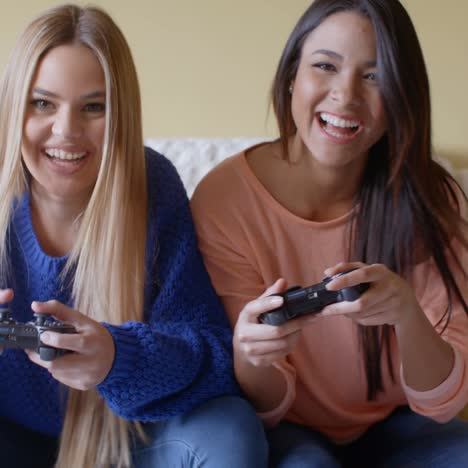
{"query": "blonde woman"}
{"type": "Point", "coordinates": [96, 231]}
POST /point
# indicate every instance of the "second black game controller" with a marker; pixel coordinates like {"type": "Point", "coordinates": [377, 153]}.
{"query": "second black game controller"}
{"type": "Point", "coordinates": [311, 300]}
{"type": "Point", "coordinates": [28, 335]}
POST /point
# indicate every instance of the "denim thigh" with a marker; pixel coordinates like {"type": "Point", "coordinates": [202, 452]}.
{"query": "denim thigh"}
{"type": "Point", "coordinates": [296, 446]}
{"type": "Point", "coordinates": [403, 440]}
{"type": "Point", "coordinates": [408, 440]}
{"type": "Point", "coordinates": [224, 432]}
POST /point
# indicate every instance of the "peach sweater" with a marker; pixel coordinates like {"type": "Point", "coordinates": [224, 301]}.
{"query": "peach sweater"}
{"type": "Point", "coordinates": [249, 240]}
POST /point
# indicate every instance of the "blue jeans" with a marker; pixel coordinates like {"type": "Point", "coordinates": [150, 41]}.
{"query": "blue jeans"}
{"type": "Point", "coordinates": [222, 433]}
{"type": "Point", "coordinates": [404, 440]}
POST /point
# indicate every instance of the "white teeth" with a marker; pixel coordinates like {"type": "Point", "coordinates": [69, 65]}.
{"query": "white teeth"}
{"type": "Point", "coordinates": [337, 122]}
{"type": "Point", "coordinates": [335, 134]}
{"type": "Point", "coordinates": [61, 154]}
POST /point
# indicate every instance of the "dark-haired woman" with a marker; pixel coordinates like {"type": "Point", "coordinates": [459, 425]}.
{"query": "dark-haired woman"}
{"type": "Point", "coordinates": [349, 185]}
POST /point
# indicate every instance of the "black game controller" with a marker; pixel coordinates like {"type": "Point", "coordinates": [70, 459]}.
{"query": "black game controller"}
{"type": "Point", "coordinates": [311, 300]}
{"type": "Point", "coordinates": [28, 335]}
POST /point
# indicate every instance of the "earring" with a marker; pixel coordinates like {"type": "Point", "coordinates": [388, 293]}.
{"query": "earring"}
{"type": "Point", "coordinates": [290, 89]}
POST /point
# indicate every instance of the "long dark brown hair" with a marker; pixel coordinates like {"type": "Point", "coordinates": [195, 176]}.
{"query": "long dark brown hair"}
{"type": "Point", "coordinates": [409, 206]}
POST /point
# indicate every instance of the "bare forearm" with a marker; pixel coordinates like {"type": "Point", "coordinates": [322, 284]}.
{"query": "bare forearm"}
{"type": "Point", "coordinates": [426, 358]}
{"type": "Point", "coordinates": [264, 386]}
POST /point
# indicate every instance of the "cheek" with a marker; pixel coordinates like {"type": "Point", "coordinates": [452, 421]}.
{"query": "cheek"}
{"type": "Point", "coordinates": [379, 115]}
{"type": "Point", "coordinates": [97, 134]}
{"type": "Point", "coordinates": [382, 122]}
{"type": "Point", "coordinates": [301, 108]}
{"type": "Point", "coordinates": [27, 142]}
{"type": "Point", "coordinates": [29, 132]}
{"type": "Point", "coordinates": [306, 96]}
{"type": "Point", "coordinates": [34, 130]}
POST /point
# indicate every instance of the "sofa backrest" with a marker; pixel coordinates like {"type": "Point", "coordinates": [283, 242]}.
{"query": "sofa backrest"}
{"type": "Point", "coordinates": [194, 157]}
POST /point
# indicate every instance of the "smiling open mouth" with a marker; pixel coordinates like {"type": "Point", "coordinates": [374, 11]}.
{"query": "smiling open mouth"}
{"type": "Point", "coordinates": [337, 127]}
{"type": "Point", "coordinates": [65, 156]}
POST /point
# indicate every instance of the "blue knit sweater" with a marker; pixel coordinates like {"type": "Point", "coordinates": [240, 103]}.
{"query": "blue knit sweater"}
{"type": "Point", "coordinates": [179, 357]}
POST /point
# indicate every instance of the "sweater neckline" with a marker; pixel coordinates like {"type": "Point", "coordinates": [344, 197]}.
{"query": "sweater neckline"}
{"type": "Point", "coordinates": [271, 201]}
{"type": "Point", "coordinates": [27, 235]}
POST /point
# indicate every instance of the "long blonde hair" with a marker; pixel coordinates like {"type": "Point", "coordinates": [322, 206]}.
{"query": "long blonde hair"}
{"type": "Point", "coordinates": [108, 256]}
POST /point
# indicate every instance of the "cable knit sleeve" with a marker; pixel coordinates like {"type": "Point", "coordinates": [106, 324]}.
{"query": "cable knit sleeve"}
{"type": "Point", "coordinates": [182, 354]}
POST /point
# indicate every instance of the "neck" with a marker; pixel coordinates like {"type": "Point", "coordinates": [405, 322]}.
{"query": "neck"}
{"type": "Point", "coordinates": [329, 188]}
{"type": "Point", "coordinates": [55, 220]}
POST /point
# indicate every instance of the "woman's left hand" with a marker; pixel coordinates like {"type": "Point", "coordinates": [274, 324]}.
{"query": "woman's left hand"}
{"type": "Point", "coordinates": [389, 299]}
{"type": "Point", "coordinates": [92, 348]}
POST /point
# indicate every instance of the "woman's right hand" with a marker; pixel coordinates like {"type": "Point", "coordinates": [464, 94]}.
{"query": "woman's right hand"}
{"type": "Point", "coordinates": [262, 345]}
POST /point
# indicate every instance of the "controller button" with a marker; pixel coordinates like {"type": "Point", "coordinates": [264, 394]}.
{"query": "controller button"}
{"type": "Point", "coordinates": [47, 354]}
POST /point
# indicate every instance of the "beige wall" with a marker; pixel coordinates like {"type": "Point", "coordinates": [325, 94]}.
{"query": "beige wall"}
{"type": "Point", "coordinates": [205, 66]}
{"type": "Point", "coordinates": [443, 32]}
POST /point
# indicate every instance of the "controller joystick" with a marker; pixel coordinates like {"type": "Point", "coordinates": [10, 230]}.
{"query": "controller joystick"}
{"type": "Point", "coordinates": [311, 300]}
{"type": "Point", "coordinates": [40, 318]}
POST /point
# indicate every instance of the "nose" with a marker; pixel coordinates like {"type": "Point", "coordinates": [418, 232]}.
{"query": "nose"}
{"type": "Point", "coordinates": [67, 124]}
{"type": "Point", "coordinates": [346, 90]}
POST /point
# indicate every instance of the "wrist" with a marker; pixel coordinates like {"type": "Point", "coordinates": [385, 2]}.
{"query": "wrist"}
{"type": "Point", "coordinates": [419, 343]}
{"type": "Point", "coordinates": [412, 319]}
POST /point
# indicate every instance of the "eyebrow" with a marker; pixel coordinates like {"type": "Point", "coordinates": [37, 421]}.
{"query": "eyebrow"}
{"type": "Point", "coordinates": [335, 55]}
{"type": "Point", "coordinates": [92, 95]}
